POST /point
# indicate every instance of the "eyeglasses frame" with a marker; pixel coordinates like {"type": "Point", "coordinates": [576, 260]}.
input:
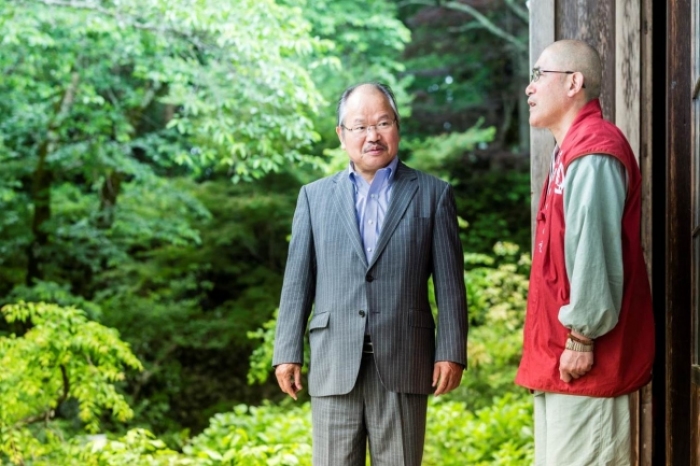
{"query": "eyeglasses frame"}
{"type": "Point", "coordinates": [354, 133]}
{"type": "Point", "coordinates": [538, 72]}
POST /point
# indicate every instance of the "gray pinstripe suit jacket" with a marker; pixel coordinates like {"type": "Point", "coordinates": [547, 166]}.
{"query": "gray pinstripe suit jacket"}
{"type": "Point", "coordinates": [327, 268]}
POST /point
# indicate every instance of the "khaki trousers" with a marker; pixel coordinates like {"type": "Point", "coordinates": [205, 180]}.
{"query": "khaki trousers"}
{"type": "Point", "coordinates": [581, 431]}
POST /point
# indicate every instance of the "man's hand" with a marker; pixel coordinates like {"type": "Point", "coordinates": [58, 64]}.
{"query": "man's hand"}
{"type": "Point", "coordinates": [574, 364]}
{"type": "Point", "coordinates": [289, 378]}
{"type": "Point", "coordinates": [446, 376]}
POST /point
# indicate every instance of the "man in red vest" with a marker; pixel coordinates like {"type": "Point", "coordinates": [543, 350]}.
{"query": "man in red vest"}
{"type": "Point", "coordinates": [589, 331]}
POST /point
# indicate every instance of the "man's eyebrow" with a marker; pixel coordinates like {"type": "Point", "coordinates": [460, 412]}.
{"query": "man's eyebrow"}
{"type": "Point", "coordinates": [380, 117]}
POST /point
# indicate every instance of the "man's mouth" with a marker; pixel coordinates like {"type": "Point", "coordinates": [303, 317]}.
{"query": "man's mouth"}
{"type": "Point", "coordinates": [375, 148]}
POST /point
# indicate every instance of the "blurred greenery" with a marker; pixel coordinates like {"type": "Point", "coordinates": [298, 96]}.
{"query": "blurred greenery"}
{"type": "Point", "coordinates": [152, 152]}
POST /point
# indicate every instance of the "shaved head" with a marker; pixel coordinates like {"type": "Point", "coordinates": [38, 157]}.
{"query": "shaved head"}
{"type": "Point", "coordinates": [576, 55]}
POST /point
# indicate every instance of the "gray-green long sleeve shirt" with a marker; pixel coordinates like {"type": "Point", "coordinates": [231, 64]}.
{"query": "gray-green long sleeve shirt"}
{"type": "Point", "coordinates": [595, 189]}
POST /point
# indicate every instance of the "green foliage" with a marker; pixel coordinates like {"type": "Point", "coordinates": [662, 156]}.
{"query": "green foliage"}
{"type": "Point", "coordinates": [432, 154]}
{"type": "Point", "coordinates": [261, 357]}
{"type": "Point", "coordinates": [497, 298]}
{"type": "Point", "coordinates": [188, 82]}
{"type": "Point", "coordinates": [123, 124]}
{"type": "Point", "coordinates": [256, 436]}
{"type": "Point", "coordinates": [469, 61]}
{"type": "Point", "coordinates": [186, 309]}
{"type": "Point", "coordinates": [62, 358]}
{"type": "Point", "coordinates": [367, 41]}
{"type": "Point", "coordinates": [496, 203]}
{"type": "Point", "coordinates": [500, 434]}
{"type": "Point", "coordinates": [137, 446]}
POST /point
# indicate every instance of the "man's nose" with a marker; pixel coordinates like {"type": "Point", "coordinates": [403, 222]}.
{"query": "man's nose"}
{"type": "Point", "coordinates": [373, 134]}
{"type": "Point", "coordinates": [529, 90]}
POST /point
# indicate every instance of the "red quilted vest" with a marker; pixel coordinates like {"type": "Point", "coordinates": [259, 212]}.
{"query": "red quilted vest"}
{"type": "Point", "coordinates": [624, 356]}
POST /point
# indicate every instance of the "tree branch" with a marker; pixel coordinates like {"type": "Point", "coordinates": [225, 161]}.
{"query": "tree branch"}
{"type": "Point", "coordinates": [521, 12]}
{"type": "Point", "coordinates": [479, 17]}
{"type": "Point", "coordinates": [147, 374]}
{"type": "Point", "coordinates": [42, 179]}
{"type": "Point", "coordinates": [487, 23]}
{"type": "Point", "coordinates": [47, 415]}
{"type": "Point", "coordinates": [125, 19]}
{"type": "Point", "coordinates": [66, 386]}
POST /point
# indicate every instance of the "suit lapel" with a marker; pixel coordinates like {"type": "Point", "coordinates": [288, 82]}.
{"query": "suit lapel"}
{"type": "Point", "coordinates": [345, 202]}
{"type": "Point", "coordinates": [402, 191]}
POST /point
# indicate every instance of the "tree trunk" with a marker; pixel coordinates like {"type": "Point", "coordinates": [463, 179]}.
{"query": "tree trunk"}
{"type": "Point", "coordinates": [41, 185]}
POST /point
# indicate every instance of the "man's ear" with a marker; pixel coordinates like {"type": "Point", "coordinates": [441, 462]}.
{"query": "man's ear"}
{"type": "Point", "coordinates": [576, 82]}
{"type": "Point", "coordinates": [339, 132]}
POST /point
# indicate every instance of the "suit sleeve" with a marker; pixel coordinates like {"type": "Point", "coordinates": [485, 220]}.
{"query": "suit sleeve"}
{"type": "Point", "coordinates": [298, 288]}
{"type": "Point", "coordinates": [448, 280]}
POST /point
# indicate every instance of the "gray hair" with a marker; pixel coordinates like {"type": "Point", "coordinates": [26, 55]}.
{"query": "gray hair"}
{"type": "Point", "coordinates": [383, 88]}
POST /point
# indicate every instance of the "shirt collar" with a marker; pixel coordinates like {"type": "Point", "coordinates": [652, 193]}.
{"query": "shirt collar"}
{"type": "Point", "coordinates": [390, 169]}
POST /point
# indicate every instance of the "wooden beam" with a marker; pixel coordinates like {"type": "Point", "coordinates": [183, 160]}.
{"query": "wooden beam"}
{"type": "Point", "coordinates": [645, 407]}
{"type": "Point", "coordinates": [678, 233]}
{"type": "Point", "coordinates": [695, 148]}
{"type": "Point", "coordinates": [628, 70]}
{"type": "Point", "coordinates": [628, 117]}
{"type": "Point", "coordinates": [593, 21]}
{"type": "Point", "coordinates": [541, 140]}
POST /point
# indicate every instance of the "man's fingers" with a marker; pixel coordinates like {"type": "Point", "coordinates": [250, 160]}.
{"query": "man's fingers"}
{"type": "Point", "coordinates": [441, 384]}
{"type": "Point", "coordinates": [446, 377]}
{"type": "Point", "coordinates": [297, 380]}
{"type": "Point", "coordinates": [289, 378]}
{"type": "Point", "coordinates": [574, 365]}
{"type": "Point", "coordinates": [564, 376]}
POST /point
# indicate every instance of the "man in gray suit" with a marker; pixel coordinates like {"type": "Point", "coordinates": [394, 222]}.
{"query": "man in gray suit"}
{"type": "Point", "coordinates": [364, 243]}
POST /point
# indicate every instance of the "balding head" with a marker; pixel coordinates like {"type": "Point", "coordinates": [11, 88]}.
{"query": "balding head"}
{"type": "Point", "coordinates": [576, 55]}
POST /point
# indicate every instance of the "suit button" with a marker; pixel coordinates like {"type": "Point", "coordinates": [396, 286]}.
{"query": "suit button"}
{"type": "Point", "coordinates": [362, 313]}
{"type": "Point", "coordinates": [369, 278]}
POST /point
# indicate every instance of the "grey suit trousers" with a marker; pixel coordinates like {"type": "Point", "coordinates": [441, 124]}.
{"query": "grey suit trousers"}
{"type": "Point", "coordinates": [392, 423]}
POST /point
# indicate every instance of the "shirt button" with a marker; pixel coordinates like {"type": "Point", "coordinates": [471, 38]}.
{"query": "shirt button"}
{"type": "Point", "coordinates": [362, 313]}
{"type": "Point", "coordinates": [369, 249]}
{"type": "Point", "coordinates": [370, 222]}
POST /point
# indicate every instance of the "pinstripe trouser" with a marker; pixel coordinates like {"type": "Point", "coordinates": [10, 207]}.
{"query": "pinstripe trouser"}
{"type": "Point", "coordinates": [393, 424]}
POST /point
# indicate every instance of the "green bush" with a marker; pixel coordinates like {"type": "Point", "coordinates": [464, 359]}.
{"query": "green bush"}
{"type": "Point", "coordinates": [497, 298]}
{"type": "Point", "coordinates": [62, 361]}
{"type": "Point", "coordinates": [268, 435]}
{"type": "Point", "coordinates": [500, 434]}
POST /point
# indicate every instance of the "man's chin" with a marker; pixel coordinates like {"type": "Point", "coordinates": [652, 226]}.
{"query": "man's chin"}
{"type": "Point", "coordinates": [535, 123]}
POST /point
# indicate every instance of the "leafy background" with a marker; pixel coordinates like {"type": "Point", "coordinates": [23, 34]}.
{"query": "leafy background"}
{"type": "Point", "coordinates": [152, 151]}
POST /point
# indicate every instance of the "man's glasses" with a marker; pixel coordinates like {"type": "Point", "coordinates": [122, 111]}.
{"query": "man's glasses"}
{"type": "Point", "coordinates": [361, 130]}
{"type": "Point", "coordinates": [537, 73]}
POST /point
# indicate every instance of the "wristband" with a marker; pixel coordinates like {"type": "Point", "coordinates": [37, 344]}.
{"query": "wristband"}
{"type": "Point", "coordinates": [575, 338]}
{"type": "Point", "coordinates": [578, 346]}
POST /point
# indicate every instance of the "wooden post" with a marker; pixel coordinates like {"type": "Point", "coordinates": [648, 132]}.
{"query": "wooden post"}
{"type": "Point", "coordinates": [678, 233]}
{"type": "Point", "coordinates": [541, 140]}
